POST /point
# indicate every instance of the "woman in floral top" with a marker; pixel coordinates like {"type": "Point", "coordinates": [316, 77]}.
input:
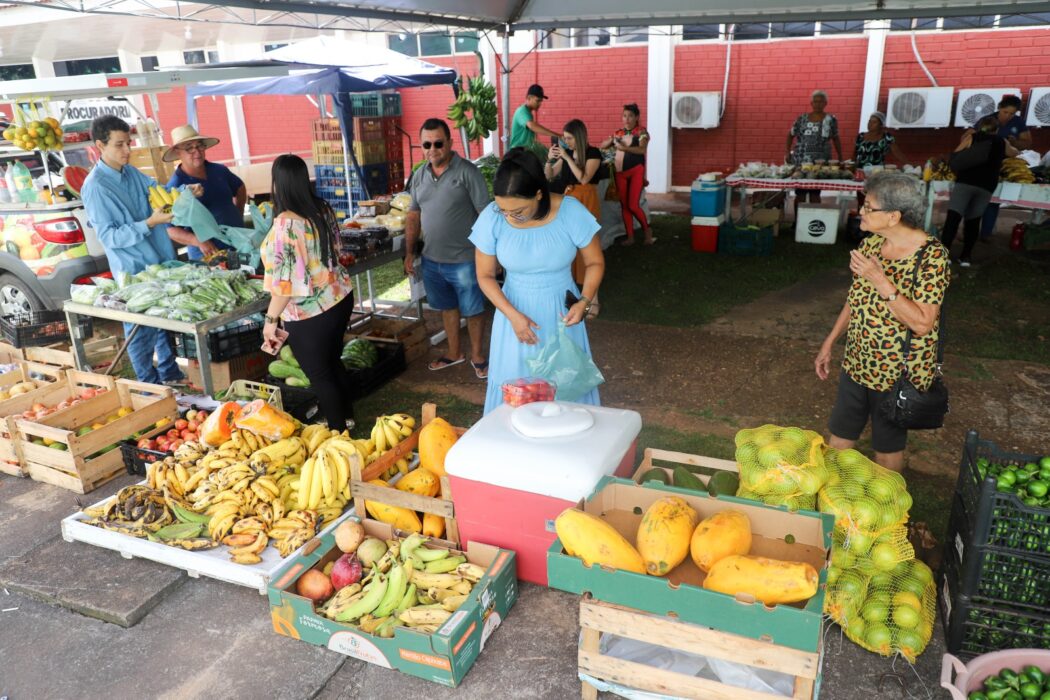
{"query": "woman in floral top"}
{"type": "Point", "coordinates": [309, 291]}
{"type": "Point", "coordinates": [882, 306]}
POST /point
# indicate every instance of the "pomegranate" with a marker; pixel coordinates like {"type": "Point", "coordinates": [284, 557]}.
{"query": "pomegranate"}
{"type": "Point", "coordinates": [347, 570]}
{"type": "Point", "coordinates": [314, 585]}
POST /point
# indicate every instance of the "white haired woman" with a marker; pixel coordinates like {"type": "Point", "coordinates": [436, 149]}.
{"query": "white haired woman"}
{"type": "Point", "coordinates": [900, 274]}
{"type": "Point", "coordinates": [813, 134]}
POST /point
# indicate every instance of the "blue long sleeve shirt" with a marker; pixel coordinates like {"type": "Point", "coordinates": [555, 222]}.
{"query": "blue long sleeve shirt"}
{"type": "Point", "coordinates": [117, 204]}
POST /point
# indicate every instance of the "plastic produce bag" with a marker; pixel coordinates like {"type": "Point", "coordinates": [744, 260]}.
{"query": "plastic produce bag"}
{"type": "Point", "coordinates": [565, 363]}
{"type": "Point", "coordinates": [84, 293]}
{"type": "Point", "coordinates": [262, 217]}
{"type": "Point", "coordinates": [261, 418]}
{"type": "Point", "coordinates": [187, 211]}
{"type": "Point", "coordinates": [105, 284]}
{"type": "Point", "coordinates": [146, 296]}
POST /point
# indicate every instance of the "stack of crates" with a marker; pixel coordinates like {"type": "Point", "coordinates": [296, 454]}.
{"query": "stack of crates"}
{"type": "Point", "coordinates": [995, 580]}
{"type": "Point", "coordinates": [377, 148]}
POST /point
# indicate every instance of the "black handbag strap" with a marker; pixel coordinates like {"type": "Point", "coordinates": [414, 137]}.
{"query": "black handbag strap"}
{"type": "Point", "coordinates": [906, 347]}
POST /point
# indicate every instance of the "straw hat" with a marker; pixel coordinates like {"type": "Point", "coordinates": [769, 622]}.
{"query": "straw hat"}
{"type": "Point", "coordinates": [182, 134]}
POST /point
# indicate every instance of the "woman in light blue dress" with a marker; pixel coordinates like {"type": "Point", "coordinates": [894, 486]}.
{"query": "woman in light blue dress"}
{"type": "Point", "coordinates": [534, 235]}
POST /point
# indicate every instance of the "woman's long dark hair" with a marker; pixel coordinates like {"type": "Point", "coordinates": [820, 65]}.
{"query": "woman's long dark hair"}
{"type": "Point", "coordinates": [292, 191]}
{"type": "Point", "coordinates": [520, 174]}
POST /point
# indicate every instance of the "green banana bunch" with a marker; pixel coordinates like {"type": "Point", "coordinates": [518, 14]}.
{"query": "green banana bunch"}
{"type": "Point", "coordinates": [475, 108]}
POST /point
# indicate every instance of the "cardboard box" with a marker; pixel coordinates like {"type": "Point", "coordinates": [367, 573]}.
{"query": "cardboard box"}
{"type": "Point", "coordinates": [442, 657]}
{"type": "Point", "coordinates": [250, 366]}
{"type": "Point", "coordinates": [621, 503]}
{"type": "Point", "coordinates": [766, 218]}
{"type": "Point", "coordinates": [817, 223]}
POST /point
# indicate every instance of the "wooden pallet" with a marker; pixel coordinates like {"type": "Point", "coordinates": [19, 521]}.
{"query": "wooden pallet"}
{"type": "Point", "coordinates": [10, 449]}
{"type": "Point", "coordinates": [441, 505]}
{"type": "Point", "coordinates": [597, 617]}
{"type": "Point", "coordinates": [92, 459]}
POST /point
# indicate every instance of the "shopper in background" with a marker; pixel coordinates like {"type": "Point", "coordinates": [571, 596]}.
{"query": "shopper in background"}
{"type": "Point", "coordinates": [813, 134]}
{"type": "Point", "coordinates": [882, 306]}
{"type": "Point", "coordinates": [309, 291]}
{"type": "Point", "coordinates": [134, 236]}
{"type": "Point", "coordinates": [448, 193]}
{"type": "Point", "coordinates": [534, 235]}
{"type": "Point", "coordinates": [976, 163]}
{"type": "Point", "coordinates": [524, 127]}
{"type": "Point", "coordinates": [224, 193]}
{"type": "Point", "coordinates": [630, 143]}
{"type": "Point", "coordinates": [1012, 128]}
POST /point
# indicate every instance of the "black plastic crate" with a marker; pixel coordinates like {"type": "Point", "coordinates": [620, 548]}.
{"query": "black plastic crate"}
{"type": "Point", "coordinates": [136, 459]}
{"type": "Point", "coordinates": [391, 363]}
{"type": "Point", "coordinates": [299, 402]}
{"type": "Point", "coordinates": [1003, 577]}
{"type": "Point", "coordinates": [40, 328]}
{"type": "Point", "coordinates": [224, 343]}
{"type": "Point", "coordinates": [974, 626]}
{"type": "Point", "coordinates": [996, 518]}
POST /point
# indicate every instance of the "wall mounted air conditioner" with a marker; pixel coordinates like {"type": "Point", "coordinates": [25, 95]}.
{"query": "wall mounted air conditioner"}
{"type": "Point", "coordinates": [695, 110]}
{"type": "Point", "coordinates": [919, 107]}
{"type": "Point", "coordinates": [980, 102]}
{"type": "Point", "coordinates": [1039, 107]}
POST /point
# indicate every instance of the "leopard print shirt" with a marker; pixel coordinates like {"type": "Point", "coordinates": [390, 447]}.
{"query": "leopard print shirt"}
{"type": "Point", "coordinates": [874, 337]}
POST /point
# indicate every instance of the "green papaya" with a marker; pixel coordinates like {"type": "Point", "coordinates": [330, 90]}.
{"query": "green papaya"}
{"type": "Point", "coordinates": [281, 369]}
{"type": "Point", "coordinates": [655, 474]}
{"type": "Point", "coordinates": [288, 357]}
{"type": "Point", "coordinates": [685, 479]}
{"type": "Point", "coordinates": [297, 381]}
{"type": "Point", "coordinates": [723, 484]}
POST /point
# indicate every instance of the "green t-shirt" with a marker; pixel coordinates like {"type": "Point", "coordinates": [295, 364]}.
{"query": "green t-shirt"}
{"type": "Point", "coordinates": [520, 133]}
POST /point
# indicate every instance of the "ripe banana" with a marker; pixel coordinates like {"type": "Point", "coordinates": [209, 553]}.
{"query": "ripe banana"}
{"type": "Point", "coordinates": [425, 615]}
{"type": "Point", "coordinates": [422, 579]}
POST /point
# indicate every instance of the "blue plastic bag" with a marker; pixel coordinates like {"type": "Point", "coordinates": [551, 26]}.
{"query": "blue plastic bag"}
{"type": "Point", "coordinates": [189, 212]}
{"type": "Point", "coordinates": [565, 363]}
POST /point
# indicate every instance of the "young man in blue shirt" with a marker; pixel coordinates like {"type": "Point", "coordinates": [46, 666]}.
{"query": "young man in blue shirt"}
{"type": "Point", "coordinates": [134, 235]}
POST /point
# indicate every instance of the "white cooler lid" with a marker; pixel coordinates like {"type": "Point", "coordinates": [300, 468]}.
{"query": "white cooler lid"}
{"type": "Point", "coordinates": [551, 448]}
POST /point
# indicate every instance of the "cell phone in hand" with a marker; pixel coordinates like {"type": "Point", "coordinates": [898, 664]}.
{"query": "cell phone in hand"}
{"type": "Point", "coordinates": [275, 347]}
{"type": "Point", "coordinates": [570, 300]}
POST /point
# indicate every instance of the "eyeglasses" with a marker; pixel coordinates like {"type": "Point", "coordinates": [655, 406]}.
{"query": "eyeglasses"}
{"type": "Point", "coordinates": [868, 209]}
{"type": "Point", "coordinates": [193, 147]}
{"type": "Point", "coordinates": [516, 215]}
{"type": "Point", "coordinates": [437, 145]}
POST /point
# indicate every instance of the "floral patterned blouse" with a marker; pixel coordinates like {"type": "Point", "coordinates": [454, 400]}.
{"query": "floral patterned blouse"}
{"type": "Point", "coordinates": [291, 257]}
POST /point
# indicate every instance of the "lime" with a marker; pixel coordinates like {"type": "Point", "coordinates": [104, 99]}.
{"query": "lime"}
{"type": "Point", "coordinates": [880, 581]}
{"type": "Point", "coordinates": [882, 490]}
{"type": "Point", "coordinates": [906, 617]}
{"type": "Point", "coordinates": [1038, 488]}
{"type": "Point", "coordinates": [841, 558]}
{"type": "Point", "coordinates": [884, 557]}
{"type": "Point", "coordinates": [877, 637]}
{"type": "Point", "coordinates": [920, 572]}
{"type": "Point", "coordinates": [866, 514]}
{"type": "Point", "coordinates": [907, 598]}
{"type": "Point", "coordinates": [875, 611]}
{"type": "Point", "coordinates": [859, 543]}
{"type": "Point", "coordinates": [855, 628]}
{"type": "Point", "coordinates": [910, 643]}
{"type": "Point", "coordinates": [852, 584]}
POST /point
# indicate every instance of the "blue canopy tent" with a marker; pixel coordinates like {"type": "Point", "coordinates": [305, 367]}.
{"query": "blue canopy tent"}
{"type": "Point", "coordinates": [327, 66]}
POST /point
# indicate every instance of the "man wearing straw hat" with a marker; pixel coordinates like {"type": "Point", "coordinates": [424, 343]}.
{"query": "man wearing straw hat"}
{"type": "Point", "coordinates": [224, 193]}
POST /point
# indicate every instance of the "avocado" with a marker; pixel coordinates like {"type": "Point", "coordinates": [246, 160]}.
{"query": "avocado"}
{"type": "Point", "coordinates": [723, 484]}
{"type": "Point", "coordinates": [685, 479]}
{"type": "Point", "coordinates": [655, 474]}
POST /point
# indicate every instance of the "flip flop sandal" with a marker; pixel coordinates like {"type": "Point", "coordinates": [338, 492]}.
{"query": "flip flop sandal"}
{"type": "Point", "coordinates": [481, 369]}
{"type": "Point", "coordinates": [444, 363]}
{"type": "Point", "coordinates": [650, 241]}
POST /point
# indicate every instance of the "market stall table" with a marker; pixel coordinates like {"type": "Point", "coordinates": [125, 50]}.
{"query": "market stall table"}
{"type": "Point", "coordinates": [1014, 194]}
{"type": "Point", "coordinates": [783, 185]}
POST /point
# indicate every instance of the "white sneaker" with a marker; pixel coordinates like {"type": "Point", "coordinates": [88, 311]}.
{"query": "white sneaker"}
{"type": "Point", "coordinates": [964, 263]}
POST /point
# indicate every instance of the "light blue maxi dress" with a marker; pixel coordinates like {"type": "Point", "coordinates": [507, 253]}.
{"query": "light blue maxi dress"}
{"type": "Point", "coordinates": [538, 265]}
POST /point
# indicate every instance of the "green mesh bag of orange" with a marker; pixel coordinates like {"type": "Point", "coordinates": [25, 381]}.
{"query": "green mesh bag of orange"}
{"type": "Point", "coordinates": [781, 466]}
{"type": "Point", "coordinates": [887, 612]}
{"type": "Point", "coordinates": [865, 499]}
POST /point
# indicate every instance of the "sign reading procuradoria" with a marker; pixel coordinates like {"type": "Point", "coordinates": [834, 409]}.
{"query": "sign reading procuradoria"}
{"type": "Point", "coordinates": [86, 110]}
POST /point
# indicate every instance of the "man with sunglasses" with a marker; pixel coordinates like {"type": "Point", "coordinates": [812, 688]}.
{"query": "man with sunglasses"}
{"type": "Point", "coordinates": [448, 193]}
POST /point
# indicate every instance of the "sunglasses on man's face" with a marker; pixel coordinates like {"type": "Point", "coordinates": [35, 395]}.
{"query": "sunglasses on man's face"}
{"type": "Point", "coordinates": [436, 145]}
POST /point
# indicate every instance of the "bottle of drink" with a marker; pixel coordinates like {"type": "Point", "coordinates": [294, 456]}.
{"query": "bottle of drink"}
{"type": "Point", "coordinates": [24, 182]}
{"type": "Point", "coordinates": [927, 172]}
{"type": "Point", "coordinates": [5, 194]}
{"type": "Point", "coordinates": [9, 181]}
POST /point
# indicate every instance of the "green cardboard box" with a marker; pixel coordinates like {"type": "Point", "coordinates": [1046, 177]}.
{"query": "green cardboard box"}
{"type": "Point", "coordinates": [443, 657]}
{"type": "Point", "coordinates": [621, 503]}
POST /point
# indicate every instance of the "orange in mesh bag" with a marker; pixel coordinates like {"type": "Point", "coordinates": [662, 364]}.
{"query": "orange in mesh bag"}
{"type": "Point", "coordinates": [865, 499]}
{"type": "Point", "coordinates": [778, 461]}
{"type": "Point", "coordinates": [871, 554]}
{"type": "Point", "coordinates": [793, 502]}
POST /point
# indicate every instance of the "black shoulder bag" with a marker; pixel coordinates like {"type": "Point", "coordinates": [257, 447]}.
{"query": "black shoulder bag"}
{"type": "Point", "coordinates": [907, 407]}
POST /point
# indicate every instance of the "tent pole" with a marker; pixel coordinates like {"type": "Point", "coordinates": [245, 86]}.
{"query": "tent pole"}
{"type": "Point", "coordinates": [505, 69]}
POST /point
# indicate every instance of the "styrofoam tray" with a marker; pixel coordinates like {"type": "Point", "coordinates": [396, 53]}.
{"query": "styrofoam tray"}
{"type": "Point", "coordinates": [213, 563]}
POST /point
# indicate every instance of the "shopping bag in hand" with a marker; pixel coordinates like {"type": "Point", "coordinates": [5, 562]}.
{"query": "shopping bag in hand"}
{"type": "Point", "coordinates": [188, 212]}
{"type": "Point", "coordinates": [566, 364]}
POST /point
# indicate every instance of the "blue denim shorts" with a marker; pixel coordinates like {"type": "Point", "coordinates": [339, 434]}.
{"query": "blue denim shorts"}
{"type": "Point", "coordinates": [453, 286]}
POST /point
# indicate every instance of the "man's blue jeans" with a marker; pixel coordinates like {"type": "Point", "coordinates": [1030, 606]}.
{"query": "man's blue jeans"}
{"type": "Point", "coordinates": [140, 352]}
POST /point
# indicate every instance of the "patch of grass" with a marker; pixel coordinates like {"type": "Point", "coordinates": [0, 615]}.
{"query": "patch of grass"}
{"type": "Point", "coordinates": [388, 281]}
{"type": "Point", "coordinates": [668, 284]}
{"type": "Point", "coordinates": [664, 438]}
{"type": "Point", "coordinates": [931, 500]}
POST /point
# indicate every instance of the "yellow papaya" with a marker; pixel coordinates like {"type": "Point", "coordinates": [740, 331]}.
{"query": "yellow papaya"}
{"type": "Point", "coordinates": [401, 518]}
{"type": "Point", "coordinates": [435, 440]}
{"type": "Point", "coordinates": [420, 481]}
{"type": "Point", "coordinates": [433, 525]}
{"type": "Point", "coordinates": [596, 541]}
{"type": "Point", "coordinates": [770, 581]}
{"type": "Point", "coordinates": [663, 535]}
{"type": "Point", "coordinates": [723, 534]}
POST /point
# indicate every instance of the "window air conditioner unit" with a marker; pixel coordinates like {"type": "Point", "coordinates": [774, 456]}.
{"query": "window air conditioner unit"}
{"type": "Point", "coordinates": [695, 110]}
{"type": "Point", "coordinates": [919, 108]}
{"type": "Point", "coordinates": [974, 104]}
{"type": "Point", "coordinates": [1039, 107]}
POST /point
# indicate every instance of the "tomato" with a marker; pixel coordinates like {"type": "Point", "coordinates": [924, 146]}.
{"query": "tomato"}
{"type": "Point", "coordinates": [186, 434]}
{"type": "Point", "coordinates": [173, 434]}
{"type": "Point", "coordinates": [146, 444]}
{"type": "Point", "coordinates": [181, 424]}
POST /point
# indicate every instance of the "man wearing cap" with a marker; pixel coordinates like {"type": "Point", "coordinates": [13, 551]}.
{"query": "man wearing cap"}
{"type": "Point", "coordinates": [524, 127]}
{"type": "Point", "coordinates": [224, 193]}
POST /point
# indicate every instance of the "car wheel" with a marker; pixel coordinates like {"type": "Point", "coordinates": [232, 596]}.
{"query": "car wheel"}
{"type": "Point", "coordinates": [16, 297]}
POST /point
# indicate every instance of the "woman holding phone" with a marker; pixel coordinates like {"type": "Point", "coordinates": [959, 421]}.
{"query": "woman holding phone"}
{"type": "Point", "coordinates": [309, 291]}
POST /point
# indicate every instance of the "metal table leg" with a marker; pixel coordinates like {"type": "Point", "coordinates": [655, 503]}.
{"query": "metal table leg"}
{"type": "Point", "coordinates": [79, 354]}
{"type": "Point", "coordinates": [204, 357]}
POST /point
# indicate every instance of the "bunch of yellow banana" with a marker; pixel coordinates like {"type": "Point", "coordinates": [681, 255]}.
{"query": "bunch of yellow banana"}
{"type": "Point", "coordinates": [223, 517]}
{"type": "Point", "coordinates": [247, 541]}
{"type": "Point", "coordinates": [1016, 170]}
{"type": "Point", "coordinates": [161, 197]}
{"type": "Point", "coordinates": [324, 484]}
{"type": "Point", "coordinates": [390, 430]}
{"type": "Point", "coordinates": [279, 456]}
{"type": "Point", "coordinates": [292, 531]}
{"type": "Point", "coordinates": [178, 478]}
{"type": "Point", "coordinates": [315, 434]}
{"type": "Point", "coordinates": [244, 442]}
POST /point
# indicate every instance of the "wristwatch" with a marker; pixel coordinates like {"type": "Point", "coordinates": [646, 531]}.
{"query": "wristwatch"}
{"type": "Point", "coordinates": [892, 297]}
{"type": "Point", "coordinates": [587, 306]}
{"type": "Point", "coordinates": [271, 319]}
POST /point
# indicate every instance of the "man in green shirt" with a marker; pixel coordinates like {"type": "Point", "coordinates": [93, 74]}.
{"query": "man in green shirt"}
{"type": "Point", "coordinates": [524, 127]}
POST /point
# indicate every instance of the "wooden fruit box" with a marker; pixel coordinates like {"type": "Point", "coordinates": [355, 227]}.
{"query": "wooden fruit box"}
{"type": "Point", "coordinates": [12, 408]}
{"type": "Point", "coordinates": [9, 353]}
{"type": "Point", "coordinates": [597, 617]}
{"type": "Point", "coordinates": [98, 351]}
{"type": "Point", "coordinates": [82, 466]}
{"type": "Point", "coordinates": [437, 505]}
{"type": "Point", "coordinates": [665, 460]}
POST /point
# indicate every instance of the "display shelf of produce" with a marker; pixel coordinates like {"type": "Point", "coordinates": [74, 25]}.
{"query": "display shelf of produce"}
{"type": "Point", "coordinates": [212, 563]}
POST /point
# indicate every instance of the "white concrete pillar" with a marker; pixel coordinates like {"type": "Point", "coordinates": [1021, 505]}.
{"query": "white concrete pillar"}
{"type": "Point", "coordinates": [43, 66]}
{"type": "Point", "coordinates": [658, 117]}
{"type": "Point", "coordinates": [877, 29]}
{"type": "Point", "coordinates": [234, 107]}
{"type": "Point", "coordinates": [131, 62]}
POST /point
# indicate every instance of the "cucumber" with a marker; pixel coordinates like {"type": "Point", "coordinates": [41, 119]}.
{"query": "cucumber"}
{"type": "Point", "coordinates": [723, 484]}
{"type": "Point", "coordinates": [288, 357]}
{"type": "Point", "coordinates": [685, 479]}
{"type": "Point", "coordinates": [655, 474]}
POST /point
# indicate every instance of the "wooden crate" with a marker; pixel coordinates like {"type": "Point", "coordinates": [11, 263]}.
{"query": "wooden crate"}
{"type": "Point", "coordinates": [9, 353]}
{"type": "Point", "coordinates": [251, 366]}
{"type": "Point", "coordinates": [10, 453]}
{"type": "Point", "coordinates": [151, 162]}
{"type": "Point", "coordinates": [98, 351]}
{"type": "Point", "coordinates": [597, 617]}
{"type": "Point", "coordinates": [438, 505]}
{"type": "Point", "coordinates": [82, 466]}
{"type": "Point", "coordinates": [412, 333]}
{"type": "Point", "coordinates": [700, 467]}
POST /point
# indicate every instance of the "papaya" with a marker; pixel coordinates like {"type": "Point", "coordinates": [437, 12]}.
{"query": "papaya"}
{"type": "Point", "coordinates": [685, 479]}
{"type": "Point", "coordinates": [433, 525]}
{"type": "Point", "coordinates": [770, 581]}
{"type": "Point", "coordinates": [655, 474]}
{"type": "Point", "coordinates": [435, 440]}
{"type": "Point", "coordinates": [219, 425]}
{"type": "Point", "coordinates": [723, 534]}
{"type": "Point", "coordinates": [261, 418]}
{"type": "Point", "coordinates": [596, 542]}
{"type": "Point", "coordinates": [663, 535]}
{"type": "Point", "coordinates": [401, 518]}
{"type": "Point", "coordinates": [420, 481]}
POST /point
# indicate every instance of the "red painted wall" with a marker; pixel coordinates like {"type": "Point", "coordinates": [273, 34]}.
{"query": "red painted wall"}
{"type": "Point", "coordinates": [279, 124]}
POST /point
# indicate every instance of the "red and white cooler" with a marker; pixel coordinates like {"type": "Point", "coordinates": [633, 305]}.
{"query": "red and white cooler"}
{"type": "Point", "coordinates": [517, 469]}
